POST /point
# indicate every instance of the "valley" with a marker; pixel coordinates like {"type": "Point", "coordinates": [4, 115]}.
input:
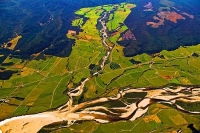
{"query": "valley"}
{"type": "Point", "coordinates": [97, 85]}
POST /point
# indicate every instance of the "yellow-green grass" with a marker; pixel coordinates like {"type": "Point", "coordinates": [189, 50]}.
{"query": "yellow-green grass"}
{"type": "Point", "coordinates": [125, 80]}
{"type": "Point", "coordinates": [5, 92]}
{"type": "Point", "coordinates": [161, 72]}
{"type": "Point", "coordinates": [80, 75]}
{"type": "Point", "coordinates": [37, 91]}
{"type": "Point", "coordinates": [20, 110]}
{"type": "Point", "coordinates": [34, 78]}
{"type": "Point", "coordinates": [107, 77]}
{"type": "Point", "coordinates": [119, 16]}
{"type": "Point", "coordinates": [89, 54]}
{"type": "Point", "coordinates": [108, 7]}
{"type": "Point", "coordinates": [82, 11]}
{"type": "Point", "coordinates": [114, 38]}
{"type": "Point", "coordinates": [158, 81]}
{"type": "Point", "coordinates": [13, 42]}
{"type": "Point", "coordinates": [143, 58]}
{"type": "Point", "coordinates": [45, 95]}
{"type": "Point", "coordinates": [59, 67]}
{"type": "Point", "coordinates": [6, 84]}
{"type": "Point", "coordinates": [84, 127]}
{"type": "Point", "coordinates": [77, 22]}
{"type": "Point", "coordinates": [43, 65]}
{"type": "Point", "coordinates": [6, 110]}
{"type": "Point", "coordinates": [43, 82]}
{"type": "Point", "coordinates": [93, 89]}
{"type": "Point", "coordinates": [123, 28]}
{"type": "Point", "coordinates": [174, 121]}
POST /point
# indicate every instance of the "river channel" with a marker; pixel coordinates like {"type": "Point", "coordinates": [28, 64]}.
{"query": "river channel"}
{"type": "Point", "coordinates": [71, 113]}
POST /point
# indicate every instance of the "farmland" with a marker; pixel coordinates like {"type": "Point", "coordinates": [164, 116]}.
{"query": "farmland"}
{"type": "Point", "coordinates": [154, 121]}
{"type": "Point", "coordinates": [38, 86]}
{"type": "Point", "coordinates": [45, 83]}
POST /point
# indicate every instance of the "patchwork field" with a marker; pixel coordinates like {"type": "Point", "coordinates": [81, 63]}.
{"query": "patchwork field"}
{"type": "Point", "coordinates": [160, 118]}
{"type": "Point", "coordinates": [44, 82]}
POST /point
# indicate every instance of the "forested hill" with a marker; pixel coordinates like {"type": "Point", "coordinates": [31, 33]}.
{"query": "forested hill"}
{"type": "Point", "coordinates": [42, 24]}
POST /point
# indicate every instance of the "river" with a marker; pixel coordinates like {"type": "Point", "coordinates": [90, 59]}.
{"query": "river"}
{"type": "Point", "coordinates": [71, 113]}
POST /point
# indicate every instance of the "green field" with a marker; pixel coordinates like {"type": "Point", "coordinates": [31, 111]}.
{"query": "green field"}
{"type": "Point", "coordinates": [41, 84]}
{"type": "Point", "coordinates": [160, 118]}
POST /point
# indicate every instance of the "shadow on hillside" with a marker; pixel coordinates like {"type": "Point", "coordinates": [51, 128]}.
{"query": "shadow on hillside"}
{"type": "Point", "coordinates": [193, 129]}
